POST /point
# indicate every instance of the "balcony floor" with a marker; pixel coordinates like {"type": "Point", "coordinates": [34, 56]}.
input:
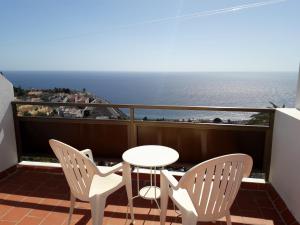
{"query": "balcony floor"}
{"type": "Point", "coordinates": [38, 198]}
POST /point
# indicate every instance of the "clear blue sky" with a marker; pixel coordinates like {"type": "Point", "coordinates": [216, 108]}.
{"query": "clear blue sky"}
{"type": "Point", "coordinates": [149, 35]}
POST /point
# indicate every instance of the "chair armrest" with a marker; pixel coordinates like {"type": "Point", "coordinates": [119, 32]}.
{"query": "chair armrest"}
{"type": "Point", "coordinates": [170, 179]}
{"type": "Point", "coordinates": [109, 170]}
{"type": "Point", "coordinates": [88, 153]}
{"type": "Point", "coordinates": [248, 167]}
{"type": "Point", "coordinates": [184, 200]}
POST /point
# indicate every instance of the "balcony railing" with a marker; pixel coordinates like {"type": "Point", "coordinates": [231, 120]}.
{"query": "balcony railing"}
{"type": "Point", "coordinates": [108, 139]}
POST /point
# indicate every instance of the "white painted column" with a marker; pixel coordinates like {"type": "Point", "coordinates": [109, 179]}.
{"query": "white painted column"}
{"type": "Point", "coordinates": [285, 158]}
{"type": "Point", "coordinates": [284, 169]}
{"type": "Point", "coordinates": [8, 149]}
{"type": "Point", "coordinates": [298, 92]}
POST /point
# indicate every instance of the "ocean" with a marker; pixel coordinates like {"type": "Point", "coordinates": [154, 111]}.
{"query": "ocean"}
{"type": "Point", "coordinates": [239, 89]}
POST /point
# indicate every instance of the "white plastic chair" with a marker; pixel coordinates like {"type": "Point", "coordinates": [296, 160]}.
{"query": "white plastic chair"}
{"type": "Point", "coordinates": [87, 182]}
{"type": "Point", "coordinates": [207, 191]}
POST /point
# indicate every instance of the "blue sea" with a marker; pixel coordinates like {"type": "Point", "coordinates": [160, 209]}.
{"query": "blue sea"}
{"type": "Point", "coordinates": [244, 89]}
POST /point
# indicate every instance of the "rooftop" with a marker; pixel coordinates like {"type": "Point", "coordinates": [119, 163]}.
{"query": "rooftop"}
{"type": "Point", "coordinates": [36, 197]}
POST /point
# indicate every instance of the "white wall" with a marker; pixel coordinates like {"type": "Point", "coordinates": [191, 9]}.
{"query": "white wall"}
{"type": "Point", "coordinates": [8, 149]}
{"type": "Point", "coordinates": [285, 161]}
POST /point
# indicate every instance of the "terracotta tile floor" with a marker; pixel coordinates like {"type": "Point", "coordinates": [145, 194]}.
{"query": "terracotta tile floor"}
{"type": "Point", "coordinates": [34, 198]}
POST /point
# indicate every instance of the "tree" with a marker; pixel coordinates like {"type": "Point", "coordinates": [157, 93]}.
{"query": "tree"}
{"type": "Point", "coordinates": [19, 92]}
{"type": "Point", "coordinates": [26, 113]}
{"type": "Point", "coordinates": [43, 114]}
{"type": "Point", "coordinates": [217, 120]}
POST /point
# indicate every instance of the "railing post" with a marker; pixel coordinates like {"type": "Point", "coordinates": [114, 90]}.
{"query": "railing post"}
{"type": "Point", "coordinates": [17, 130]}
{"type": "Point", "coordinates": [132, 129]}
{"type": "Point", "coordinates": [268, 146]}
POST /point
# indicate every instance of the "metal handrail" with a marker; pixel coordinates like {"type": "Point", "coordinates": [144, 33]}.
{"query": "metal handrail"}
{"type": "Point", "coordinates": [142, 106]}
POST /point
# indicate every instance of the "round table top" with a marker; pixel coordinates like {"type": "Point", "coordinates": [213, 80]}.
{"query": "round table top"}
{"type": "Point", "coordinates": [150, 156]}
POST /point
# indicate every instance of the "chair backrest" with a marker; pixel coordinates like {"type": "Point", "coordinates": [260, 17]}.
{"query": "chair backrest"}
{"type": "Point", "coordinates": [78, 169]}
{"type": "Point", "coordinates": [213, 184]}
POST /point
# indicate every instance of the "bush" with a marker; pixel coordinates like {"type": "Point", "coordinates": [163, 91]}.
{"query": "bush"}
{"type": "Point", "coordinates": [41, 114]}
{"type": "Point", "coordinates": [217, 120]}
{"type": "Point", "coordinates": [19, 92]}
{"type": "Point", "coordinates": [26, 113]}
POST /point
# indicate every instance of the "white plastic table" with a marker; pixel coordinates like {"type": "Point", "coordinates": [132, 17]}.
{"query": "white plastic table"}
{"type": "Point", "coordinates": [150, 156]}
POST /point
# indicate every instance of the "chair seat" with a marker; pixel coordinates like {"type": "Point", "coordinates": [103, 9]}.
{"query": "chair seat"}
{"type": "Point", "coordinates": [105, 185]}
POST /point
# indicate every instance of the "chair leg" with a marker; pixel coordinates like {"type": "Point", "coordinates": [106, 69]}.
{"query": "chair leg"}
{"type": "Point", "coordinates": [72, 205]}
{"type": "Point", "coordinates": [189, 219]}
{"type": "Point", "coordinates": [228, 219]}
{"type": "Point", "coordinates": [164, 197]}
{"type": "Point", "coordinates": [128, 184]}
{"type": "Point", "coordinates": [97, 207]}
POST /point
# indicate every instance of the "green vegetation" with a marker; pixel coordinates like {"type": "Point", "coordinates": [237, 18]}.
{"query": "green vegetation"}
{"type": "Point", "coordinates": [37, 158]}
{"type": "Point", "coordinates": [26, 113]}
{"type": "Point", "coordinates": [20, 92]}
{"type": "Point", "coordinates": [39, 113]}
{"type": "Point", "coordinates": [259, 118]}
{"type": "Point", "coordinates": [262, 118]}
{"type": "Point", "coordinates": [59, 90]}
{"type": "Point", "coordinates": [217, 120]}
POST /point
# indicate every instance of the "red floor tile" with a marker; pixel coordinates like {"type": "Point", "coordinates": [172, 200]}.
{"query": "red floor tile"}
{"type": "Point", "coordinates": [280, 205]}
{"type": "Point", "coordinates": [288, 217]}
{"type": "Point", "coordinates": [44, 200]}
{"type": "Point", "coordinates": [15, 214]}
{"type": "Point", "coordinates": [4, 209]}
{"type": "Point", "coordinates": [270, 214]}
{"type": "Point", "coordinates": [56, 218]}
{"type": "Point", "coordinates": [28, 220]}
{"type": "Point", "coordinates": [6, 223]}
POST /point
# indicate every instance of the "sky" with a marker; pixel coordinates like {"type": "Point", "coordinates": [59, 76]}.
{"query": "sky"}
{"type": "Point", "coordinates": [150, 35]}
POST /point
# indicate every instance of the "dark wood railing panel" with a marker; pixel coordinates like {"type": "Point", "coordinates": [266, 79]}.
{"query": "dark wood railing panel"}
{"type": "Point", "coordinates": [237, 141]}
{"type": "Point", "coordinates": [197, 145]}
{"type": "Point", "coordinates": [186, 141]}
{"type": "Point", "coordinates": [106, 140]}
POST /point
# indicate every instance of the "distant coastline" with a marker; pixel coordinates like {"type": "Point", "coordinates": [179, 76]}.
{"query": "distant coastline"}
{"type": "Point", "coordinates": [64, 95]}
{"type": "Point", "coordinates": [245, 89]}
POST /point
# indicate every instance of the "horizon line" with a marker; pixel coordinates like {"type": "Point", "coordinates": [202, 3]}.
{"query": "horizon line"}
{"type": "Point", "coordinates": [154, 71]}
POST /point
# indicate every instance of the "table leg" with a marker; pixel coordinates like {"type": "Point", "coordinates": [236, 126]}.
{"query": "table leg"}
{"type": "Point", "coordinates": [152, 184]}
{"type": "Point", "coordinates": [155, 189]}
{"type": "Point", "coordinates": [137, 183]}
{"type": "Point", "coordinates": [138, 180]}
{"type": "Point", "coordinates": [155, 181]}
